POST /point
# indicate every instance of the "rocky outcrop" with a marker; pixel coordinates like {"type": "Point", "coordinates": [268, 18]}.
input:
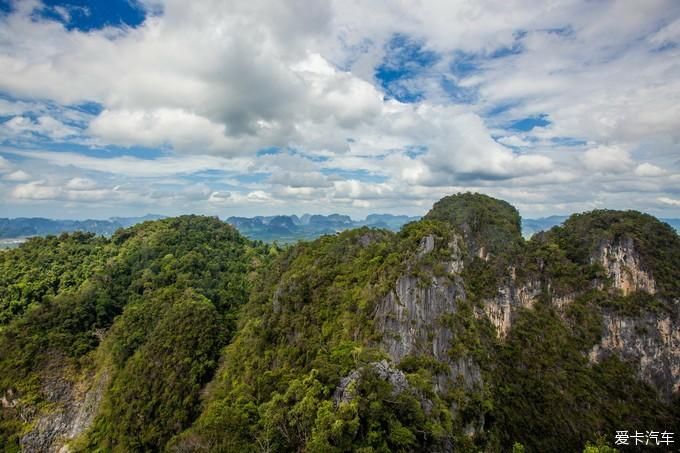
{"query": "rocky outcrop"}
{"type": "Point", "coordinates": [622, 264]}
{"type": "Point", "coordinates": [412, 317]}
{"type": "Point", "coordinates": [9, 400]}
{"type": "Point", "coordinates": [502, 309]}
{"type": "Point", "coordinates": [651, 342]}
{"type": "Point", "coordinates": [74, 406]}
{"type": "Point", "coordinates": [345, 391]}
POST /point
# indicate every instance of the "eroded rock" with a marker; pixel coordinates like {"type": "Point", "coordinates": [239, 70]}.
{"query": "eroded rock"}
{"type": "Point", "coordinates": [650, 341]}
{"type": "Point", "coordinates": [622, 263]}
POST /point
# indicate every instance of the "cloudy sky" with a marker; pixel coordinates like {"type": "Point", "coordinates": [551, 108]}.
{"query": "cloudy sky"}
{"type": "Point", "coordinates": [258, 107]}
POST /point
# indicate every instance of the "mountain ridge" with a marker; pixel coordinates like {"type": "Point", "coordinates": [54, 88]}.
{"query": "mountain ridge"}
{"type": "Point", "coordinates": [285, 228]}
{"type": "Point", "coordinates": [453, 334]}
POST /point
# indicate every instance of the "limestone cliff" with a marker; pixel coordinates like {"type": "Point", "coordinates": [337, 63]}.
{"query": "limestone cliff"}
{"type": "Point", "coordinates": [411, 314]}
{"type": "Point", "coordinates": [651, 341]}
{"type": "Point", "coordinates": [621, 262]}
{"type": "Point", "coordinates": [73, 406]}
{"type": "Point", "coordinates": [412, 317]}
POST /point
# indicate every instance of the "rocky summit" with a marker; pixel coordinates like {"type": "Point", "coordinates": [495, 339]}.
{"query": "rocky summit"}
{"type": "Point", "coordinates": [453, 334]}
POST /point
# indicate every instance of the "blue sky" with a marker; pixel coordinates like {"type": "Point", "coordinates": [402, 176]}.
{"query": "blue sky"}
{"type": "Point", "coordinates": [124, 107]}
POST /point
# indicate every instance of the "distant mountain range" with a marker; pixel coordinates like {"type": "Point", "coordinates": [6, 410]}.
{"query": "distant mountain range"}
{"type": "Point", "coordinates": [281, 228]}
{"type": "Point", "coordinates": [290, 228]}
{"type": "Point", "coordinates": [38, 226]}
{"type": "Point", "coordinates": [532, 226]}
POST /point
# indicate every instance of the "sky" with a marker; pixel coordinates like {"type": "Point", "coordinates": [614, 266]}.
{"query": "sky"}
{"type": "Point", "coordinates": [251, 107]}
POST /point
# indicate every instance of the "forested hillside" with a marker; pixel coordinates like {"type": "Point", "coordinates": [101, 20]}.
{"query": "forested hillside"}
{"type": "Point", "coordinates": [453, 334]}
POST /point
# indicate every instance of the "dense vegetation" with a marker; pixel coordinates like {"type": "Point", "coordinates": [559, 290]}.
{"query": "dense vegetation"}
{"type": "Point", "coordinates": [45, 267]}
{"type": "Point", "coordinates": [167, 292]}
{"type": "Point", "coordinates": [201, 340]}
{"type": "Point", "coordinates": [487, 223]}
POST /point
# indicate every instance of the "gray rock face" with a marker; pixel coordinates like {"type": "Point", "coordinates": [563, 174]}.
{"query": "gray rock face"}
{"type": "Point", "coordinates": [75, 406]}
{"type": "Point", "coordinates": [622, 263]}
{"type": "Point", "coordinates": [412, 317]}
{"type": "Point", "coordinates": [501, 310]}
{"type": "Point", "coordinates": [650, 341]}
{"type": "Point", "coordinates": [345, 391]}
{"type": "Point", "coordinates": [426, 245]}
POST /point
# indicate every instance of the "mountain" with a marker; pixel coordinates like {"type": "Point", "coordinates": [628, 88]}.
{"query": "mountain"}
{"type": "Point", "coordinates": [130, 221]}
{"type": "Point", "coordinates": [453, 334]}
{"type": "Point", "coordinates": [281, 228]}
{"type": "Point", "coordinates": [36, 226]}
{"type": "Point", "coordinates": [286, 229]}
{"type": "Point", "coordinates": [532, 226]}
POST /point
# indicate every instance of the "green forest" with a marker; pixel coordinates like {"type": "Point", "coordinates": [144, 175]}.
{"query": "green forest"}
{"type": "Point", "coordinates": [181, 335]}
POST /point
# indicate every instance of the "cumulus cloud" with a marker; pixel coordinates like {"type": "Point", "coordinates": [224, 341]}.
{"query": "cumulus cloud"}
{"type": "Point", "coordinates": [80, 184]}
{"type": "Point", "coordinates": [646, 169]}
{"type": "Point", "coordinates": [241, 199]}
{"type": "Point", "coordinates": [132, 166]}
{"type": "Point", "coordinates": [607, 159]}
{"type": "Point", "coordinates": [300, 179]}
{"type": "Point", "coordinates": [46, 126]}
{"type": "Point", "coordinates": [213, 88]}
{"type": "Point", "coordinates": [513, 140]}
{"type": "Point", "coordinates": [4, 165]}
{"type": "Point", "coordinates": [183, 130]}
{"type": "Point", "coordinates": [468, 152]}
{"type": "Point", "coordinates": [36, 191]}
{"type": "Point", "coordinates": [18, 176]}
{"type": "Point", "coordinates": [669, 201]}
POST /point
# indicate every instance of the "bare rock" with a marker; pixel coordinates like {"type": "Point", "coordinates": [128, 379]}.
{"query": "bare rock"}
{"type": "Point", "coordinates": [622, 263]}
{"type": "Point", "coordinates": [650, 341]}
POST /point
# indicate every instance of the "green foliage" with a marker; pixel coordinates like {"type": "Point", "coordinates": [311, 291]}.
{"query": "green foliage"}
{"type": "Point", "coordinates": [549, 398]}
{"type": "Point", "coordinates": [598, 448]}
{"type": "Point", "coordinates": [656, 242]}
{"type": "Point", "coordinates": [156, 394]}
{"type": "Point", "coordinates": [486, 222]}
{"type": "Point", "coordinates": [308, 324]}
{"type": "Point", "coordinates": [167, 292]}
{"type": "Point", "coordinates": [45, 267]}
{"type": "Point", "coordinates": [212, 342]}
{"type": "Point", "coordinates": [377, 420]}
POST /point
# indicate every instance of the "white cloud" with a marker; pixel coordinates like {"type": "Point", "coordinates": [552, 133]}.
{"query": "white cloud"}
{"type": "Point", "coordinates": [80, 184]}
{"type": "Point", "coordinates": [210, 83]}
{"type": "Point", "coordinates": [4, 165]}
{"type": "Point", "coordinates": [35, 191]}
{"type": "Point", "coordinates": [47, 126]}
{"type": "Point", "coordinates": [646, 169]}
{"type": "Point", "coordinates": [513, 140]}
{"type": "Point", "coordinates": [669, 201]}
{"type": "Point", "coordinates": [607, 159]}
{"type": "Point", "coordinates": [17, 176]}
{"type": "Point", "coordinates": [183, 130]}
{"type": "Point", "coordinates": [300, 179]}
{"type": "Point", "coordinates": [468, 150]}
{"type": "Point", "coordinates": [136, 167]}
{"type": "Point", "coordinates": [241, 199]}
